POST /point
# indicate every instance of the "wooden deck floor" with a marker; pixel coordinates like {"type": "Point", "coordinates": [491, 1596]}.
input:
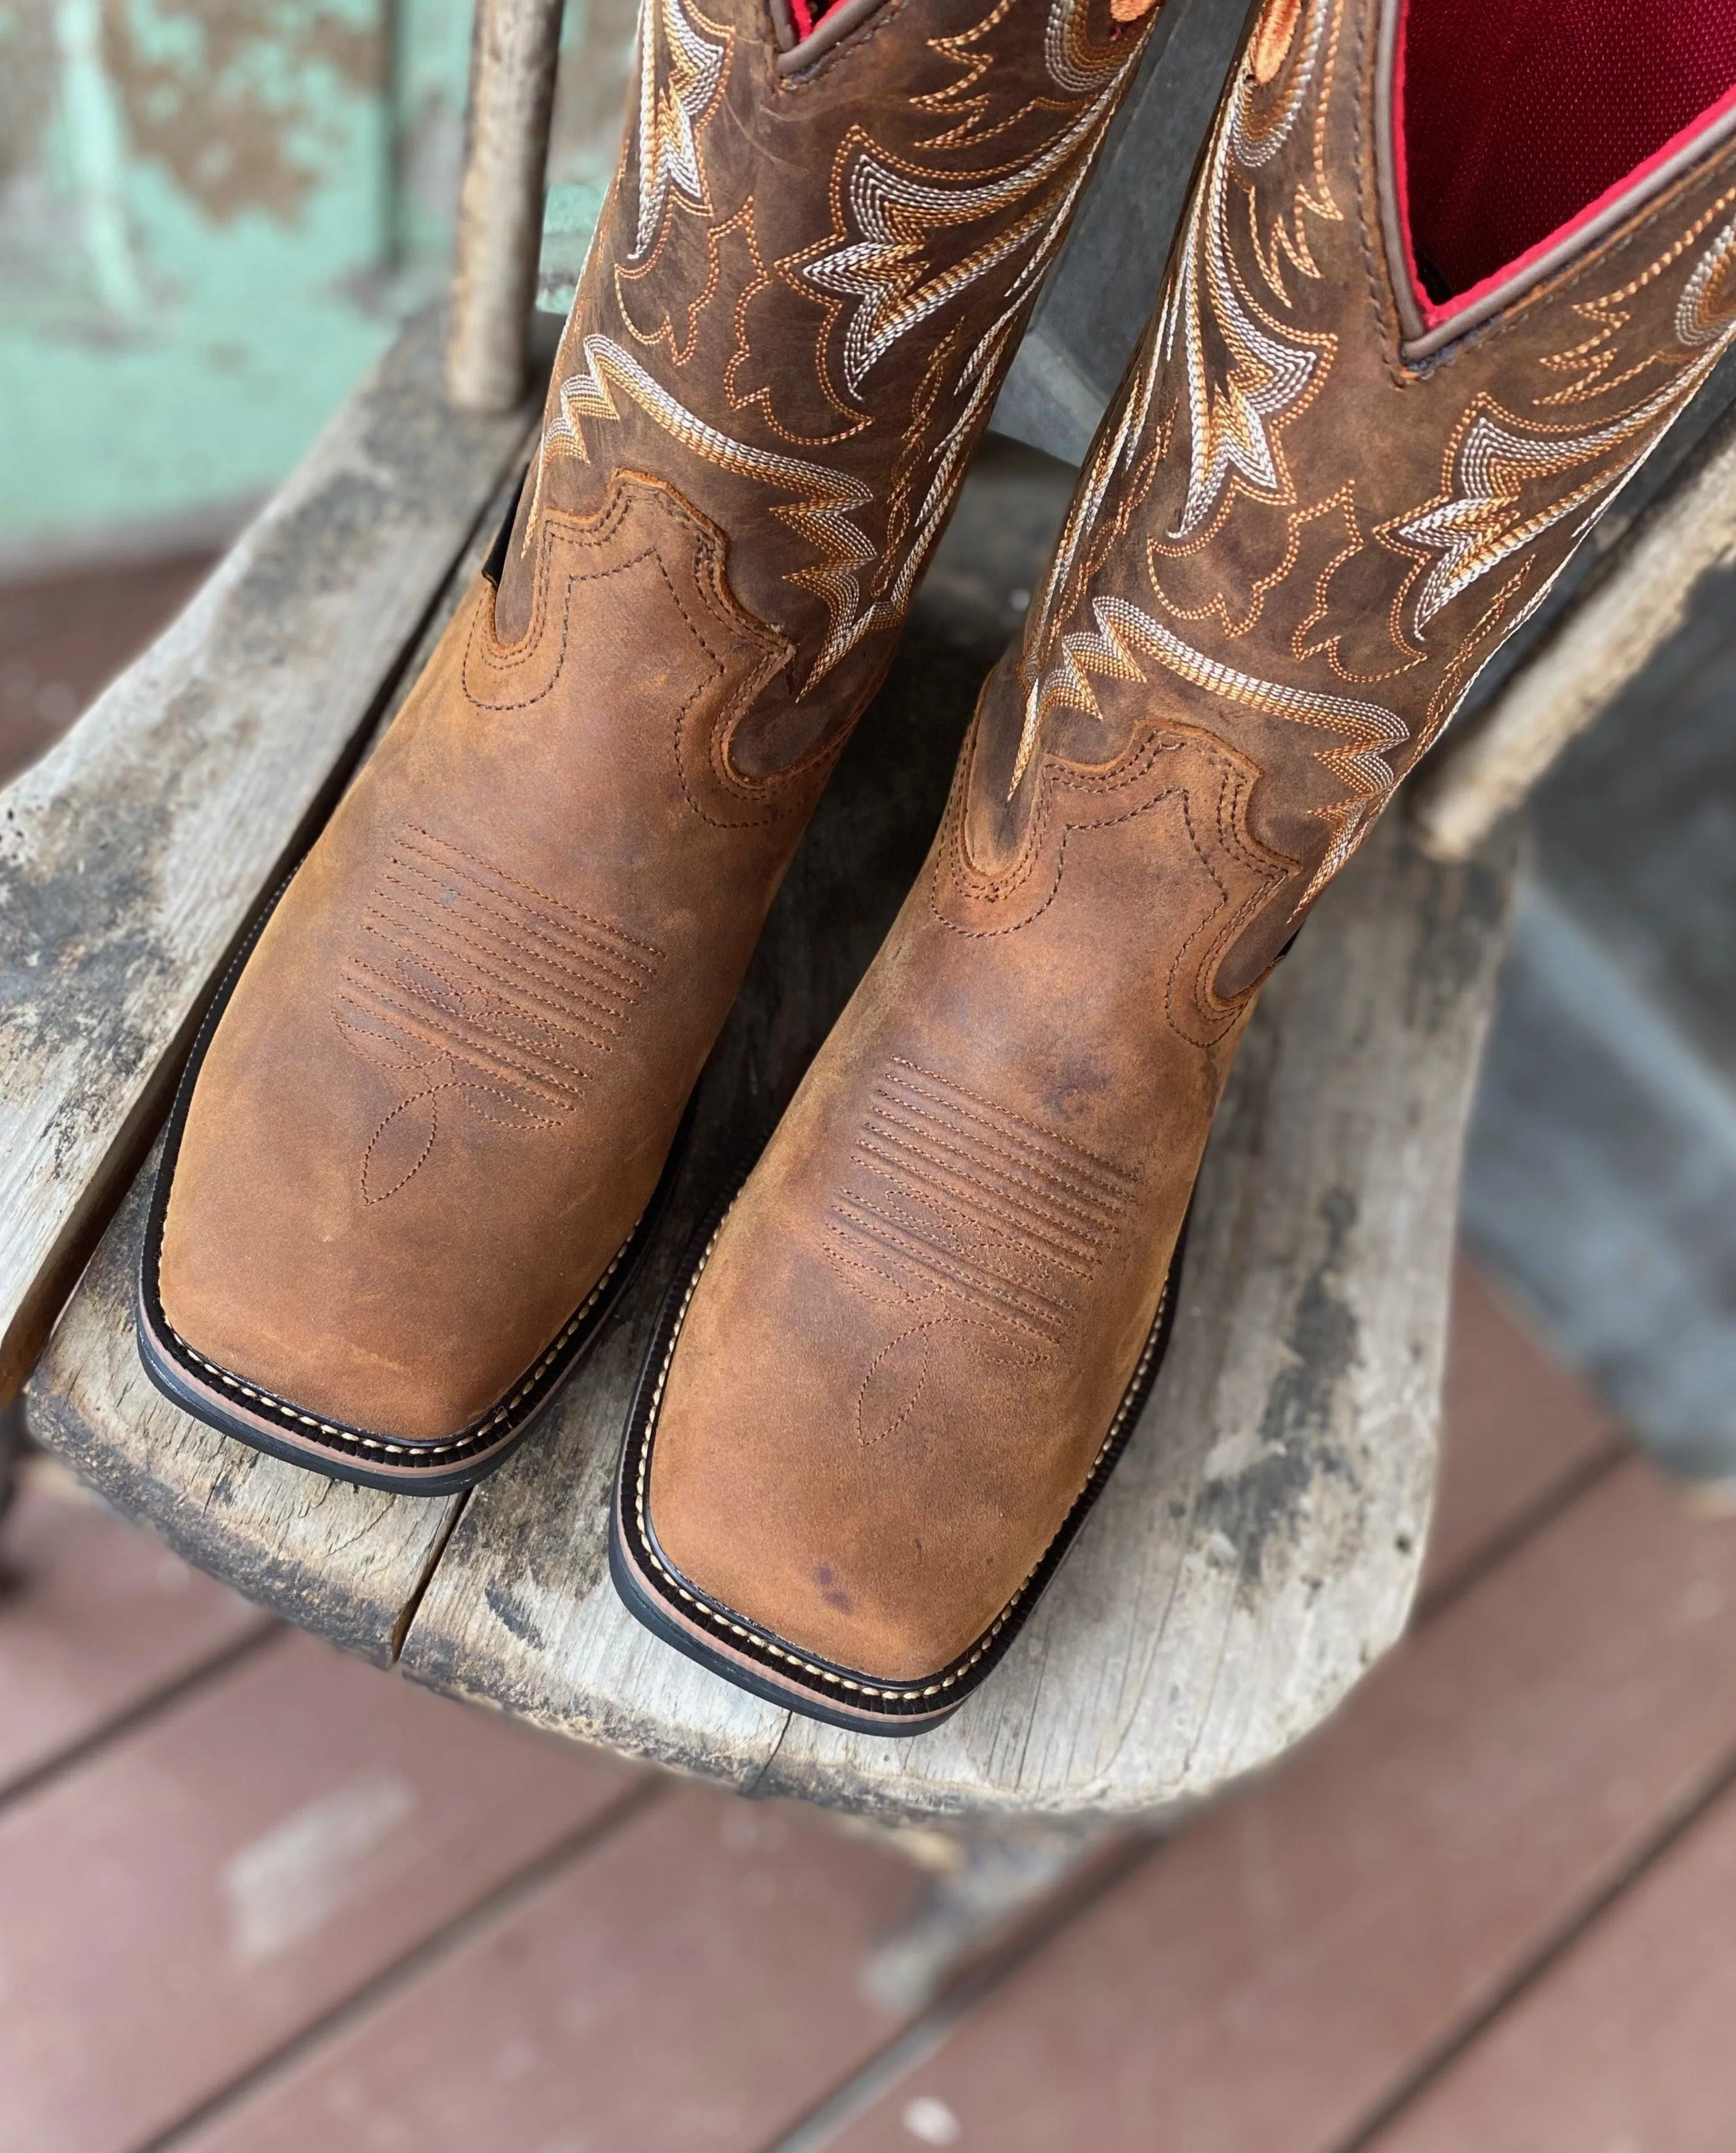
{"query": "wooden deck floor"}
{"type": "Point", "coordinates": [256, 1899]}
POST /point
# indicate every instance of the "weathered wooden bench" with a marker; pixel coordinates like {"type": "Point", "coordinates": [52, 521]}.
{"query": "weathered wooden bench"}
{"type": "Point", "coordinates": [1258, 1546]}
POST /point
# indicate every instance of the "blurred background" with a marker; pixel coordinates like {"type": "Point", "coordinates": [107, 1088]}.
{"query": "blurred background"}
{"type": "Point", "coordinates": [254, 1897]}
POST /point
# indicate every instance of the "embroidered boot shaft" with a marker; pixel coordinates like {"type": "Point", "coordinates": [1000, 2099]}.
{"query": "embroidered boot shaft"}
{"type": "Point", "coordinates": [439, 1096]}
{"type": "Point", "coordinates": [1325, 497]}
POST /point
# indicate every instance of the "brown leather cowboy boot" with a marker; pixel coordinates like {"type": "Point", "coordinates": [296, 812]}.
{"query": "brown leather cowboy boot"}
{"type": "Point", "coordinates": [411, 1167]}
{"type": "Point", "coordinates": [1418, 327]}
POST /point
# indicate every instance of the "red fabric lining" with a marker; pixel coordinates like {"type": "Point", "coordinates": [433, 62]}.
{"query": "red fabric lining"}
{"type": "Point", "coordinates": [1520, 119]}
{"type": "Point", "coordinates": [806, 19]}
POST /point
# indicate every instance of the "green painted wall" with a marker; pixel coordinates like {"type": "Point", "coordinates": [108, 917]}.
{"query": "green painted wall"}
{"type": "Point", "coordinates": [212, 215]}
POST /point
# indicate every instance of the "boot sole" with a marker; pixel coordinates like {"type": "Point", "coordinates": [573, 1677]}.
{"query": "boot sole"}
{"type": "Point", "coordinates": [769, 1666]}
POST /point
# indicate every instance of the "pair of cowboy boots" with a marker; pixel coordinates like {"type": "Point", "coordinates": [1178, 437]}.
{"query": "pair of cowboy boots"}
{"type": "Point", "coordinates": [1447, 272]}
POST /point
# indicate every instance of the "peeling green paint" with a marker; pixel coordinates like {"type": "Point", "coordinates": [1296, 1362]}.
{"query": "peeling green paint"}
{"type": "Point", "coordinates": [213, 214]}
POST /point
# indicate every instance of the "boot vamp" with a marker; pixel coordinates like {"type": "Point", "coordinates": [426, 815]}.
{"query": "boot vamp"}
{"type": "Point", "coordinates": [447, 1080]}
{"type": "Point", "coordinates": [916, 1330]}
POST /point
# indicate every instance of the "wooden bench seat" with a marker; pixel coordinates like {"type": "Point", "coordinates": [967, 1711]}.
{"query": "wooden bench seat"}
{"type": "Point", "coordinates": [1259, 1545]}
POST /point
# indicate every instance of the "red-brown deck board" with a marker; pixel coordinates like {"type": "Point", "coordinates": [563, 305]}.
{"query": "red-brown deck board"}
{"type": "Point", "coordinates": [96, 1619]}
{"type": "Point", "coordinates": [287, 1900]}
{"type": "Point", "coordinates": [188, 1898]}
{"type": "Point", "coordinates": [1624, 2045]}
{"type": "Point", "coordinates": [1281, 1971]}
{"type": "Point", "coordinates": [690, 1988]}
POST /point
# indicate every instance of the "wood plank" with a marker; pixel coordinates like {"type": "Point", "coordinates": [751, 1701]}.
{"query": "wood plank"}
{"type": "Point", "coordinates": [132, 854]}
{"type": "Point", "coordinates": [1624, 2043]}
{"type": "Point", "coordinates": [1272, 1978]}
{"type": "Point", "coordinates": [515, 48]}
{"type": "Point", "coordinates": [690, 1988]}
{"type": "Point", "coordinates": [1521, 1429]}
{"type": "Point", "coordinates": [345, 1562]}
{"type": "Point", "coordinates": [199, 1891]}
{"type": "Point", "coordinates": [95, 1619]}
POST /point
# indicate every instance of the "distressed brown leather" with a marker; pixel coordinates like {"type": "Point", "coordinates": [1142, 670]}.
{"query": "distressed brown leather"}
{"type": "Point", "coordinates": [447, 1082]}
{"type": "Point", "coordinates": [1289, 551]}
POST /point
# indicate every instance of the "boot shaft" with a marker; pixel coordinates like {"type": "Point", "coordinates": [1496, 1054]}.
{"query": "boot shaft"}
{"type": "Point", "coordinates": [808, 284]}
{"type": "Point", "coordinates": [1323, 498]}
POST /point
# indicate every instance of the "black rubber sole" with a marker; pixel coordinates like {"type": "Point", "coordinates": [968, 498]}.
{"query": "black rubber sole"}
{"type": "Point", "coordinates": [227, 1401]}
{"type": "Point", "coordinates": [726, 1643]}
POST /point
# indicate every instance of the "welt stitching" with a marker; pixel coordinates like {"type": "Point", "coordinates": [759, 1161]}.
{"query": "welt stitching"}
{"type": "Point", "coordinates": [477, 1438]}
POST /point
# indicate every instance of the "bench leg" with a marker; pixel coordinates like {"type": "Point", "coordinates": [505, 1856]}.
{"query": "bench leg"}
{"type": "Point", "coordinates": [986, 1882]}
{"type": "Point", "coordinates": [12, 1448]}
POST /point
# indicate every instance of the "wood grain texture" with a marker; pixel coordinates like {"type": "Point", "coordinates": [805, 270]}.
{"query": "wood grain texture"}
{"type": "Point", "coordinates": [133, 853]}
{"type": "Point", "coordinates": [515, 46]}
{"type": "Point", "coordinates": [1620, 623]}
{"type": "Point", "coordinates": [1624, 2042]}
{"type": "Point", "coordinates": [690, 1985]}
